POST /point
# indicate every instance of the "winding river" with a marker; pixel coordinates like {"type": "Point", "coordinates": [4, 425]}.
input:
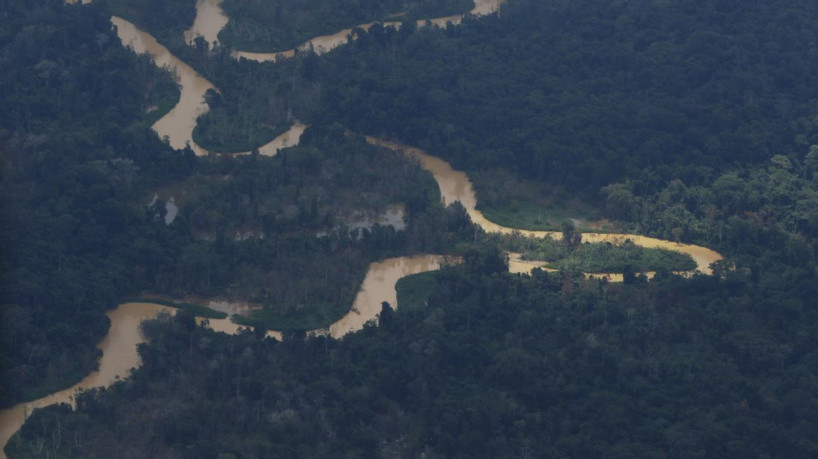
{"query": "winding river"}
{"type": "Point", "coordinates": [456, 186]}
{"type": "Point", "coordinates": [119, 345]}
{"type": "Point", "coordinates": [118, 357]}
{"type": "Point", "coordinates": [210, 20]}
{"type": "Point", "coordinates": [326, 43]}
{"type": "Point", "coordinates": [177, 125]}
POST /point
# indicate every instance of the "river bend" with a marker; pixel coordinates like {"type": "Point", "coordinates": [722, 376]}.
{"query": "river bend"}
{"type": "Point", "coordinates": [119, 345]}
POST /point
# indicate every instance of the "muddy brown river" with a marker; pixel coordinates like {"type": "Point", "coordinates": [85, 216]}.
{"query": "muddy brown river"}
{"type": "Point", "coordinates": [119, 353]}
{"type": "Point", "coordinates": [210, 20]}
{"type": "Point", "coordinates": [177, 125]}
{"type": "Point", "coordinates": [119, 345]}
{"type": "Point", "coordinates": [118, 357]}
{"type": "Point", "coordinates": [327, 43]}
{"type": "Point", "coordinates": [456, 186]}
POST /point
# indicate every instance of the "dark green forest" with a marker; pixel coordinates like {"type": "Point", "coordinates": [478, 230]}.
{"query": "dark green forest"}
{"type": "Point", "coordinates": [705, 110]}
{"type": "Point", "coordinates": [165, 20]}
{"type": "Point", "coordinates": [284, 202]}
{"type": "Point", "coordinates": [496, 365]}
{"type": "Point", "coordinates": [258, 25]}
{"type": "Point", "coordinates": [270, 26]}
{"type": "Point", "coordinates": [76, 154]}
{"type": "Point", "coordinates": [80, 165]}
{"type": "Point", "coordinates": [689, 121]}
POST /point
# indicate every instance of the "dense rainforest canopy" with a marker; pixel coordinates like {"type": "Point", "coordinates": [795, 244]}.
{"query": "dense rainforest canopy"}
{"type": "Point", "coordinates": [84, 225]}
{"type": "Point", "coordinates": [77, 153]}
{"type": "Point", "coordinates": [258, 25]}
{"type": "Point", "coordinates": [494, 365]}
{"type": "Point", "coordinates": [674, 116]}
{"type": "Point", "coordinates": [692, 121]}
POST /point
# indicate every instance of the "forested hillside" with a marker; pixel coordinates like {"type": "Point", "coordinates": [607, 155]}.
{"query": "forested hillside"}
{"type": "Point", "coordinates": [694, 121]}
{"type": "Point", "coordinates": [704, 108]}
{"type": "Point", "coordinates": [592, 92]}
{"type": "Point", "coordinates": [76, 154]}
{"type": "Point", "coordinates": [164, 19]}
{"type": "Point", "coordinates": [255, 224]}
{"type": "Point", "coordinates": [81, 165]}
{"type": "Point", "coordinates": [496, 365]}
{"type": "Point", "coordinates": [258, 25]}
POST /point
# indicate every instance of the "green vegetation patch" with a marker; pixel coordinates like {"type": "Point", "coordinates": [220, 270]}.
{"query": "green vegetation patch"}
{"type": "Point", "coordinates": [609, 258]}
{"type": "Point", "coordinates": [210, 135]}
{"type": "Point", "coordinates": [161, 101]}
{"type": "Point", "coordinates": [515, 202]}
{"type": "Point", "coordinates": [263, 26]}
{"type": "Point", "coordinates": [312, 318]}
{"type": "Point", "coordinates": [526, 214]}
{"type": "Point", "coordinates": [415, 290]}
{"type": "Point", "coordinates": [596, 257]}
{"type": "Point", "coordinates": [195, 309]}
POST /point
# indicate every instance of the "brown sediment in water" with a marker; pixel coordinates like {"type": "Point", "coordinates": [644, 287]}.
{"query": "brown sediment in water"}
{"type": "Point", "coordinates": [119, 345]}
{"type": "Point", "coordinates": [326, 43]}
{"type": "Point", "coordinates": [379, 286]}
{"type": "Point", "coordinates": [456, 186]}
{"type": "Point", "coordinates": [178, 124]}
{"type": "Point", "coordinates": [119, 356]}
{"type": "Point", "coordinates": [210, 20]}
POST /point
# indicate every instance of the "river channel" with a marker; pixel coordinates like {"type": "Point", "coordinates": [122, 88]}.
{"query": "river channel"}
{"type": "Point", "coordinates": [210, 20]}
{"type": "Point", "coordinates": [456, 186]}
{"type": "Point", "coordinates": [326, 43]}
{"type": "Point", "coordinates": [118, 347]}
{"type": "Point", "coordinates": [177, 125]}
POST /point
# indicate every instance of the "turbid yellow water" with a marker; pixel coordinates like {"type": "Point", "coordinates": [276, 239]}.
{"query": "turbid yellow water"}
{"type": "Point", "coordinates": [119, 353]}
{"type": "Point", "coordinates": [379, 286]}
{"type": "Point", "coordinates": [177, 125]}
{"type": "Point", "coordinates": [327, 43]}
{"type": "Point", "coordinates": [119, 345]}
{"type": "Point", "coordinates": [210, 20]}
{"type": "Point", "coordinates": [456, 186]}
{"type": "Point", "coordinates": [119, 356]}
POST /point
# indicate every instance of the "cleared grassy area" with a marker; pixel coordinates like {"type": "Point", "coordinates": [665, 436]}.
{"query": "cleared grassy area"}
{"type": "Point", "coordinates": [526, 214]}
{"type": "Point", "coordinates": [237, 143]}
{"type": "Point", "coordinates": [514, 202]}
{"type": "Point", "coordinates": [598, 257]}
{"type": "Point", "coordinates": [315, 318]}
{"type": "Point", "coordinates": [162, 104]}
{"type": "Point", "coordinates": [195, 309]}
{"type": "Point", "coordinates": [415, 290]}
